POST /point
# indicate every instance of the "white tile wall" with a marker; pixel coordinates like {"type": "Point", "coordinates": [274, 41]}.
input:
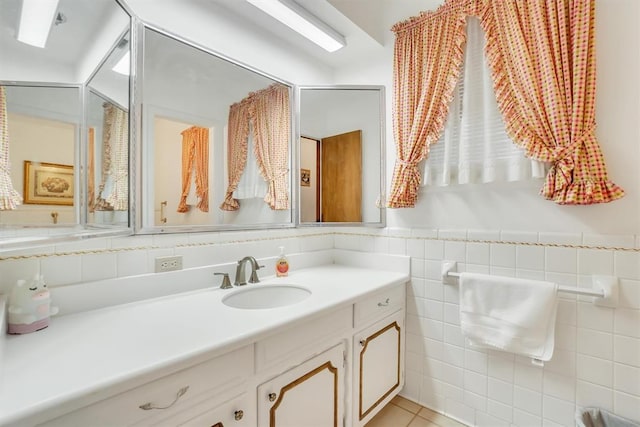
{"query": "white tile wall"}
{"type": "Point", "coordinates": [597, 357]}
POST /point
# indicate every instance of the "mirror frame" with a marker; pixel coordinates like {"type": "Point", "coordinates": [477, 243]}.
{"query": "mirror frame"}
{"type": "Point", "coordinates": [80, 229]}
{"type": "Point", "coordinates": [381, 202]}
{"type": "Point", "coordinates": [142, 182]}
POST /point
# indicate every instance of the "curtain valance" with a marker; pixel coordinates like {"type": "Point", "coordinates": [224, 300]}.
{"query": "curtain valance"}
{"type": "Point", "coordinates": [542, 59]}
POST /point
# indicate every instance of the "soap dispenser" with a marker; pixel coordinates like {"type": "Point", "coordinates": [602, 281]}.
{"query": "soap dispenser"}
{"type": "Point", "coordinates": [282, 264]}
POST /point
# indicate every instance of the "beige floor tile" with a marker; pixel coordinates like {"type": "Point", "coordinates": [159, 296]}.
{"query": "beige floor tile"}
{"type": "Point", "coordinates": [407, 404]}
{"type": "Point", "coordinates": [421, 422]}
{"type": "Point", "coordinates": [438, 419]}
{"type": "Point", "coordinates": [391, 416]}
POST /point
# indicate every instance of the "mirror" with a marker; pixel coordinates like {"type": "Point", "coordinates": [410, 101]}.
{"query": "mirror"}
{"type": "Point", "coordinates": [341, 155]}
{"type": "Point", "coordinates": [107, 144]}
{"type": "Point", "coordinates": [43, 130]}
{"type": "Point", "coordinates": [80, 37]}
{"type": "Point", "coordinates": [194, 103]}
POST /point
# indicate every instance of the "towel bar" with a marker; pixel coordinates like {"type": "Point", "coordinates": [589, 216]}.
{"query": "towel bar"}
{"type": "Point", "coordinates": [605, 292]}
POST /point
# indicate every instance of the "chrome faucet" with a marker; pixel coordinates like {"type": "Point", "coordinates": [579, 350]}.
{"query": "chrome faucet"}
{"type": "Point", "coordinates": [240, 274]}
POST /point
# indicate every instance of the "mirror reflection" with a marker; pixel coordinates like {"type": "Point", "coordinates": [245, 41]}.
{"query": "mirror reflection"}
{"type": "Point", "coordinates": [108, 161]}
{"type": "Point", "coordinates": [79, 38]}
{"type": "Point", "coordinates": [216, 140]}
{"type": "Point", "coordinates": [39, 132]}
{"type": "Point", "coordinates": [341, 154]}
{"type": "Point", "coordinates": [107, 144]}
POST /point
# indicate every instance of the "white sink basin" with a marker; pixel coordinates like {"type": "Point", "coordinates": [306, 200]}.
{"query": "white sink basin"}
{"type": "Point", "coordinates": [266, 296]}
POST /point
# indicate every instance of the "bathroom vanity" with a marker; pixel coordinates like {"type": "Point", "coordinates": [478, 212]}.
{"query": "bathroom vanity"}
{"type": "Point", "coordinates": [334, 357]}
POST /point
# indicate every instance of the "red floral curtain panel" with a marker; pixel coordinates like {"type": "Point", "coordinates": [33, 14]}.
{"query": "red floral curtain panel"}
{"type": "Point", "coordinates": [542, 58]}
{"type": "Point", "coordinates": [237, 148]}
{"type": "Point", "coordinates": [270, 116]}
{"type": "Point", "coordinates": [269, 112]}
{"type": "Point", "coordinates": [428, 56]}
{"type": "Point", "coordinates": [9, 197]}
{"type": "Point", "coordinates": [91, 170]}
{"type": "Point", "coordinates": [195, 159]}
{"type": "Point", "coordinates": [113, 191]}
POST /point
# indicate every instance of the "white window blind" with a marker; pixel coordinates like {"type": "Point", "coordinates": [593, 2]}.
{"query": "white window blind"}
{"type": "Point", "coordinates": [252, 185]}
{"type": "Point", "coordinates": [474, 147]}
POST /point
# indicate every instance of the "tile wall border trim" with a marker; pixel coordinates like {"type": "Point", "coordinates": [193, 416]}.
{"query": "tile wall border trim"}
{"type": "Point", "coordinates": [334, 233]}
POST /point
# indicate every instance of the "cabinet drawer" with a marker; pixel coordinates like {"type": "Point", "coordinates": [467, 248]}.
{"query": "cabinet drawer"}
{"type": "Point", "coordinates": [378, 305]}
{"type": "Point", "coordinates": [301, 340]}
{"type": "Point", "coordinates": [237, 412]}
{"type": "Point", "coordinates": [166, 396]}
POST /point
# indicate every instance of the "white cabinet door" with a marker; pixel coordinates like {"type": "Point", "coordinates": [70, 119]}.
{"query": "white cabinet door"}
{"type": "Point", "coordinates": [378, 365]}
{"type": "Point", "coordinates": [309, 395]}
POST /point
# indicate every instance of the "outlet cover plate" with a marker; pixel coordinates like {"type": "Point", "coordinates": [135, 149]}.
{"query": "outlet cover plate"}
{"type": "Point", "coordinates": [168, 263]}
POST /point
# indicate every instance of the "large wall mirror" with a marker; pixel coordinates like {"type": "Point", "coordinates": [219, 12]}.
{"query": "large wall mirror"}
{"type": "Point", "coordinates": [107, 139]}
{"type": "Point", "coordinates": [44, 138]}
{"type": "Point", "coordinates": [341, 155]}
{"type": "Point", "coordinates": [41, 131]}
{"type": "Point", "coordinates": [216, 141]}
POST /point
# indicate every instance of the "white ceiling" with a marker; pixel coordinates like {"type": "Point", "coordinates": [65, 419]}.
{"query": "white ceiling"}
{"type": "Point", "coordinates": [364, 23]}
{"type": "Point", "coordinates": [67, 42]}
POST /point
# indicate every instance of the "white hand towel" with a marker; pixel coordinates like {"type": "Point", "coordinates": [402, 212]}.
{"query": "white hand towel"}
{"type": "Point", "coordinates": [509, 314]}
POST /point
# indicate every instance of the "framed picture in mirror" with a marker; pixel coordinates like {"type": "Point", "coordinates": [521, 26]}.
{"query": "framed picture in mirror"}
{"type": "Point", "coordinates": [305, 177]}
{"type": "Point", "coordinates": [48, 183]}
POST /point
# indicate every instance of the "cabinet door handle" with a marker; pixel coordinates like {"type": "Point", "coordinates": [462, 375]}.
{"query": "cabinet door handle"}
{"type": "Point", "coordinates": [237, 415]}
{"type": "Point", "coordinates": [363, 342]}
{"type": "Point", "coordinates": [148, 406]}
{"type": "Point", "coordinates": [272, 397]}
{"type": "Point", "coordinates": [384, 304]}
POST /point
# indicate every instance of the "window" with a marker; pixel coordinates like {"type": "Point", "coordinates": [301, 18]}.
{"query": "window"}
{"type": "Point", "coordinates": [474, 147]}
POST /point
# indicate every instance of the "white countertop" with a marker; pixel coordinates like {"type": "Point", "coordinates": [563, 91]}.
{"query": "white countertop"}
{"type": "Point", "coordinates": [83, 354]}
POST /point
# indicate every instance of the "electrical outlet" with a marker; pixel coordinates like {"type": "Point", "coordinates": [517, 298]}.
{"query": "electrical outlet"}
{"type": "Point", "coordinates": [168, 263]}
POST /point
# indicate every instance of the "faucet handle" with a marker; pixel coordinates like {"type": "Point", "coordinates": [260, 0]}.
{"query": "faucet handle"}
{"type": "Point", "coordinates": [226, 283]}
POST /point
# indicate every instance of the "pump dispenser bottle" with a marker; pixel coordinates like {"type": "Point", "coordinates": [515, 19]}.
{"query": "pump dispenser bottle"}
{"type": "Point", "coordinates": [282, 264]}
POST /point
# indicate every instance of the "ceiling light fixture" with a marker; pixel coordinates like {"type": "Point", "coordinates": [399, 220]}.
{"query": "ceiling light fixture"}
{"type": "Point", "coordinates": [36, 18]}
{"type": "Point", "coordinates": [300, 20]}
{"type": "Point", "coordinates": [124, 65]}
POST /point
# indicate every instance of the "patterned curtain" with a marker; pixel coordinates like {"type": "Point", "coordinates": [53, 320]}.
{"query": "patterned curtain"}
{"type": "Point", "coordinates": [195, 155]}
{"type": "Point", "coordinates": [270, 116]}
{"type": "Point", "coordinates": [238, 132]}
{"type": "Point", "coordinates": [542, 56]}
{"type": "Point", "coordinates": [542, 59]}
{"type": "Point", "coordinates": [428, 55]}
{"type": "Point", "coordinates": [115, 160]}
{"type": "Point", "coordinates": [91, 170]}
{"type": "Point", "coordinates": [9, 198]}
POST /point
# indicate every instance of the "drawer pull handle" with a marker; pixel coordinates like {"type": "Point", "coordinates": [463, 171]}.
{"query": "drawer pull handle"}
{"type": "Point", "coordinates": [238, 415]}
{"type": "Point", "coordinates": [272, 397]}
{"type": "Point", "coordinates": [148, 406]}
{"type": "Point", "coordinates": [384, 304]}
{"type": "Point", "coordinates": [218, 425]}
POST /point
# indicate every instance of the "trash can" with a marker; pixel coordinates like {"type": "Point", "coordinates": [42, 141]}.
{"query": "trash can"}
{"type": "Point", "coordinates": [596, 417]}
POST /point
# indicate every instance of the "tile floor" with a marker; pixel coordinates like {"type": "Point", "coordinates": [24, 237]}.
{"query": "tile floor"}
{"type": "Point", "coordinates": [401, 412]}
